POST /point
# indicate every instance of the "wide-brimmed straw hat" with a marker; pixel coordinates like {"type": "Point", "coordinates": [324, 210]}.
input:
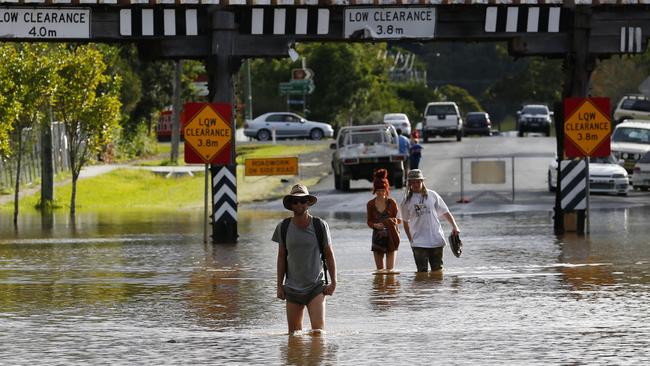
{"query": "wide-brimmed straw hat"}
{"type": "Point", "coordinates": [415, 174]}
{"type": "Point", "coordinates": [299, 190]}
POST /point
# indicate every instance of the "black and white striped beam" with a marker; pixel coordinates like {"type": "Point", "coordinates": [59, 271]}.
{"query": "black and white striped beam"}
{"type": "Point", "coordinates": [224, 195]}
{"type": "Point", "coordinates": [573, 184]}
{"type": "Point", "coordinates": [631, 40]}
{"type": "Point", "coordinates": [286, 21]}
{"type": "Point", "coordinates": [515, 19]}
{"type": "Point", "coordinates": [150, 22]}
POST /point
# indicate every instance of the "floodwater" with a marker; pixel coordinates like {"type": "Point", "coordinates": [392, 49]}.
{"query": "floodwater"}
{"type": "Point", "coordinates": [143, 289]}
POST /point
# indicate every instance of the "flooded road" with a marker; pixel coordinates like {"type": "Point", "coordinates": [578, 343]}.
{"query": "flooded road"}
{"type": "Point", "coordinates": [143, 289]}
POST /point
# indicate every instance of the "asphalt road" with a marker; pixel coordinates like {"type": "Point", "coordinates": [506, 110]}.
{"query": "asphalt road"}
{"type": "Point", "coordinates": [448, 168]}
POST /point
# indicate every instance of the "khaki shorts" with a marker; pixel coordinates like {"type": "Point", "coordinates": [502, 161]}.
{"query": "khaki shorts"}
{"type": "Point", "coordinates": [303, 298]}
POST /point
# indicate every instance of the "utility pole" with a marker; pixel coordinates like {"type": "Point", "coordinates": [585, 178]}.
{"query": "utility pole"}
{"type": "Point", "coordinates": [176, 122]}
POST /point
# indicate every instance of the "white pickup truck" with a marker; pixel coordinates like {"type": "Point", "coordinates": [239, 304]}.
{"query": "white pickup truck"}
{"type": "Point", "coordinates": [442, 119]}
{"type": "Point", "coordinates": [360, 150]}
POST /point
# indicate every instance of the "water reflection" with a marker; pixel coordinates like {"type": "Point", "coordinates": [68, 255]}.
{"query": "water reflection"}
{"type": "Point", "coordinates": [385, 291]}
{"type": "Point", "coordinates": [308, 349]}
{"type": "Point", "coordinates": [116, 288]}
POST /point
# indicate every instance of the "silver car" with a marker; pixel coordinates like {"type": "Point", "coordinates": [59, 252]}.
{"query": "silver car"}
{"type": "Point", "coordinates": [605, 176]}
{"type": "Point", "coordinates": [400, 121]}
{"type": "Point", "coordinates": [286, 125]}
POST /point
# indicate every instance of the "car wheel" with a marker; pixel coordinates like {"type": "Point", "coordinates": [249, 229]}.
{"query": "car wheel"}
{"type": "Point", "coordinates": [316, 134]}
{"type": "Point", "coordinates": [459, 136]}
{"type": "Point", "coordinates": [426, 138]}
{"type": "Point", "coordinates": [644, 188]}
{"type": "Point", "coordinates": [520, 133]}
{"type": "Point", "coordinates": [550, 186]}
{"type": "Point", "coordinates": [264, 135]}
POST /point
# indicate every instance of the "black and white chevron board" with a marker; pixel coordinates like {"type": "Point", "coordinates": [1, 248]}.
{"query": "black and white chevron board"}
{"type": "Point", "coordinates": [573, 184]}
{"type": "Point", "coordinates": [224, 201]}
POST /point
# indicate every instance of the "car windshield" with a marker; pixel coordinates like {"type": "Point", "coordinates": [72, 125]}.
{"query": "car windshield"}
{"type": "Point", "coordinates": [631, 134]}
{"type": "Point", "coordinates": [435, 110]}
{"type": "Point", "coordinates": [369, 137]}
{"type": "Point", "coordinates": [534, 110]}
{"type": "Point", "coordinates": [475, 117]}
{"type": "Point", "coordinates": [645, 159]}
{"type": "Point", "coordinates": [603, 160]}
{"type": "Point", "coordinates": [394, 117]}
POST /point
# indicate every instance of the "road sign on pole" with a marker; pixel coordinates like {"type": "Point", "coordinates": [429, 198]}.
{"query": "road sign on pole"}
{"type": "Point", "coordinates": [587, 127]}
{"type": "Point", "coordinates": [208, 133]}
{"type": "Point", "coordinates": [305, 86]}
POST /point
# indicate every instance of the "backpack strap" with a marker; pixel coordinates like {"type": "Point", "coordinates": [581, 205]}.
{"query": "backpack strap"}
{"type": "Point", "coordinates": [319, 227]}
{"type": "Point", "coordinates": [283, 230]}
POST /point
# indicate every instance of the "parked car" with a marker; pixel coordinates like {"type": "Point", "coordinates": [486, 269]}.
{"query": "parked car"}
{"type": "Point", "coordinates": [477, 123]}
{"type": "Point", "coordinates": [632, 107]}
{"type": "Point", "coordinates": [400, 121]}
{"type": "Point", "coordinates": [641, 174]}
{"type": "Point", "coordinates": [605, 176]}
{"type": "Point", "coordinates": [286, 125]}
{"type": "Point", "coordinates": [442, 119]}
{"type": "Point", "coordinates": [630, 140]}
{"type": "Point", "coordinates": [534, 118]}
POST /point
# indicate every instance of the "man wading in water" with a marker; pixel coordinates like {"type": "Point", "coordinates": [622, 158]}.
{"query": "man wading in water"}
{"type": "Point", "coordinates": [301, 276]}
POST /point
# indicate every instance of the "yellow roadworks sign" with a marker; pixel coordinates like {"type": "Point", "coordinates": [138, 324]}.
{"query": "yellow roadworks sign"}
{"type": "Point", "coordinates": [271, 166]}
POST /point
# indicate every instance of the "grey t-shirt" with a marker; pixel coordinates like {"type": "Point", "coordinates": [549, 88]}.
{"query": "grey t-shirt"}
{"type": "Point", "coordinates": [304, 266]}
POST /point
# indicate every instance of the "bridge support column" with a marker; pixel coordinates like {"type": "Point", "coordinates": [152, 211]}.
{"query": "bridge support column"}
{"type": "Point", "coordinates": [578, 66]}
{"type": "Point", "coordinates": [221, 66]}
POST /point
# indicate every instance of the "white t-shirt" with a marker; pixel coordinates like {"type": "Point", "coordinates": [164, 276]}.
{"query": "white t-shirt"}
{"type": "Point", "coordinates": [423, 216]}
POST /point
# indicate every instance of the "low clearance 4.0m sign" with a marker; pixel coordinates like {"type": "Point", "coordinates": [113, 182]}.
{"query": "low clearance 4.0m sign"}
{"type": "Point", "coordinates": [587, 127]}
{"type": "Point", "coordinates": [208, 133]}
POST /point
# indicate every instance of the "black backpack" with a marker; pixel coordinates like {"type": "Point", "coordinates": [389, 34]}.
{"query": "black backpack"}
{"type": "Point", "coordinates": [320, 236]}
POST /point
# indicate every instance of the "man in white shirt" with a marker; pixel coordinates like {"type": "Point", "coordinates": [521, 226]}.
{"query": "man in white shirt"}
{"type": "Point", "coordinates": [422, 209]}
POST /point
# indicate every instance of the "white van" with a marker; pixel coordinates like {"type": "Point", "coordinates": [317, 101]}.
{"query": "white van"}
{"type": "Point", "coordinates": [630, 141]}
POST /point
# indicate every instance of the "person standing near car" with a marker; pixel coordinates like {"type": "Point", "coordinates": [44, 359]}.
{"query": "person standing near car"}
{"type": "Point", "coordinates": [415, 154]}
{"type": "Point", "coordinates": [404, 147]}
{"type": "Point", "coordinates": [421, 210]}
{"type": "Point", "coordinates": [301, 277]}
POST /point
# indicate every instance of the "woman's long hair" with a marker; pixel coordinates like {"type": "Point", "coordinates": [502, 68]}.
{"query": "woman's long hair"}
{"type": "Point", "coordinates": [409, 192]}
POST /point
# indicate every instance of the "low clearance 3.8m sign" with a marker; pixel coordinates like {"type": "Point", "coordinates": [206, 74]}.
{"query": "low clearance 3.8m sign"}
{"type": "Point", "coordinates": [587, 127]}
{"type": "Point", "coordinates": [208, 133]}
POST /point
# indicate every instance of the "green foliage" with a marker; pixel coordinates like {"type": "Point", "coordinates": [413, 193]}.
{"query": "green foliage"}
{"type": "Point", "coordinates": [10, 106]}
{"type": "Point", "coordinates": [466, 102]}
{"type": "Point", "coordinates": [619, 76]}
{"type": "Point", "coordinates": [137, 144]}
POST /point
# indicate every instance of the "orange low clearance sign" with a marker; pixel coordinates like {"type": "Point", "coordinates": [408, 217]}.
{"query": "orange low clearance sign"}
{"type": "Point", "coordinates": [208, 133]}
{"type": "Point", "coordinates": [587, 127]}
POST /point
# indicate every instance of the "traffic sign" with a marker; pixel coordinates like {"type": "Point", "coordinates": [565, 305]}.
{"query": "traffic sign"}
{"type": "Point", "coordinates": [271, 166]}
{"type": "Point", "coordinates": [587, 127]}
{"type": "Point", "coordinates": [302, 74]}
{"type": "Point", "coordinates": [208, 133]}
{"type": "Point", "coordinates": [390, 23]}
{"type": "Point", "coordinates": [297, 87]}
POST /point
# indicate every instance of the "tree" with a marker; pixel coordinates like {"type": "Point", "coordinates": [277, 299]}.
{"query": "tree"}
{"type": "Point", "coordinates": [466, 102]}
{"type": "Point", "coordinates": [9, 105]}
{"type": "Point", "coordinates": [30, 69]}
{"type": "Point", "coordinates": [86, 101]}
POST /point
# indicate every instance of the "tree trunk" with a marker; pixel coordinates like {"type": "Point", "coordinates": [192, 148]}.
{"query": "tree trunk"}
{"type": "Point", "coordinates": [47, 166]}
{"type": "Point", "coordinates": [73, 196]}
{"type": "Point", "coordinates": [18, 161]}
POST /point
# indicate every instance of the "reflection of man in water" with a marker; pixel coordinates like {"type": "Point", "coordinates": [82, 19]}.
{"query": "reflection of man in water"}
{"type": "Point", "coordinates": [300, 274]}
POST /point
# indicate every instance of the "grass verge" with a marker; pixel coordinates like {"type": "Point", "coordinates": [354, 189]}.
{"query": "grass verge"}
{"type": "Point", "coordinates": [140, 189]}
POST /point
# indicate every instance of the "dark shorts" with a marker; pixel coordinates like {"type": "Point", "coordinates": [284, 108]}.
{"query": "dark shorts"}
{"type": "Point", "coordinates": [427, 256]}
{"type": "Point", "coordinates": [303, 298]}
